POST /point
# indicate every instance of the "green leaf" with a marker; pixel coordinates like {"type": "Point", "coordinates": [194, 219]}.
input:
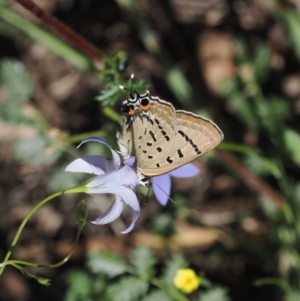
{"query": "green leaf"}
{"type": "Point", "coordinates": [163, 223]}
{"type": "Point", "coordinates": [12, 113]}
{"type": "Point", "coordinates": [35, 151]}
{"type": "Point", "coordinates": [109, 95]}
{"type": "Point", "coordinates": [292, 23]}
{"type": "Point", "coordinates": [230, 87]}
{"type": "Point", "coordinates": [282, 283]}
{"type": "Point", "coordinates": [157, 295]}
{"type": "Point", "coordinates": [172, 266]}
{"type": "Point", "coordinates": [292, 144]}
{"type": "Point", "coordinates": [261, 62]}
{"type": "Point", "coordinates": [180, 86]}
{"type": "Point", "coordinates": [143, 260]}
{"type": "Point", "coordinates": [5, 2]}
{"type": "Point", "coordinates": [279, 108]}
{"type": "Point", "coordinates": [51, 41]}
{"type": "Point", "coordinates": [217, 293]}
{"type": "Point", "coordinates": [103, 262]}
{"type": "Point", "coordinates": [243, 108]}
{"type": "Point", "coordinates": [15, 80]}
{"type": "Point", "coordinates": [112, 114]}
{"type": "Point", "coordinates": [80, 286]}
{"type": "Point", "coordinates": [128, 289]}
{"type": "Point", "coordinates": [262, 166]}
{"type": "Point", "coordinates": [272, 112]}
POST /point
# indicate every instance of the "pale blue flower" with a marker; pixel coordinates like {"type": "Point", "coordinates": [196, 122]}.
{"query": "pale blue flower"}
{"type": "Point", "coordinates": [162, 184]}
{"type": "Point", "coordinates": [113, 178]}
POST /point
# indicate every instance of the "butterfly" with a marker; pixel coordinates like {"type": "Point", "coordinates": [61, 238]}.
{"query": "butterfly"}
{"type": "Point", "coordinates": [162, 138]}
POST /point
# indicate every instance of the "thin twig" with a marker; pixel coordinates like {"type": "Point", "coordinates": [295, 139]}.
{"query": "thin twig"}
{"type": "Point", "coordinates": [64, 31]}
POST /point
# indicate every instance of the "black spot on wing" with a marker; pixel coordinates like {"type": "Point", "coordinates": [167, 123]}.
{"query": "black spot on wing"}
{"type": "Point", "coordinates": [169, 160]}
{"type": "Point", "coordinates": [159, 149]}
{"type": "Point", "coordinates": [164, 133]}
{"type": "Point", "coordinates": [181, 133]}
{"type": "Point", "coordinates": [180, 154]}
{"type": "Point", "coordinates": [148, 118]}
{"type": "Point", "coordinates": [149, 144]}
{"type": "Point", "coordinates": [190, 141]}
{"type": "Point", "coordinates": [152, 136]}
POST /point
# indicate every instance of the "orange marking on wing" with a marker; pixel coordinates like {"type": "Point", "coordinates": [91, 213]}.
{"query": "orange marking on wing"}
{"type": "Point", "coordinates": [146, 107]}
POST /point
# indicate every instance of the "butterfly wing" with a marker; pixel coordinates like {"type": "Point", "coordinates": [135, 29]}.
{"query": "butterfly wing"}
{"type": "Point", "coordinates": [194, 136]}
{"type": "Point", "coordinates": [151, 132]}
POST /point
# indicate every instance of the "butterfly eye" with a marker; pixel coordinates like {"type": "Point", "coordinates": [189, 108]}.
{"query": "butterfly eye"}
{"type": "Point", "coordinates": [128, 109]}
{"type": "Point", "coordinates": [145, 104]}
{"type": "Point", "coordinates": [125, 109]}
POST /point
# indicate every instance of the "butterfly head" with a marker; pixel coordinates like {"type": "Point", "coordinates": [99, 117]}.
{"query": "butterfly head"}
{"type": "Point", "coordinates": [136, 104]}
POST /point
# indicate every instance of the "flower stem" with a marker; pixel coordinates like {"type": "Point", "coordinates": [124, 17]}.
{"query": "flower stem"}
{"type": "Point", "coordinates": [51, 265]}
{"type": "Point", "coordinates": [74, 189]}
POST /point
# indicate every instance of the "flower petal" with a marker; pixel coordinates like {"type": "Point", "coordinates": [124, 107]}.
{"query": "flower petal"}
{"type": "Point", "coordinates": [113, 181]}
{"type": "Point", "coordinates": [90, 164]}
{"type": "Point", "coordinates": [185, 171]}
{"type": "Point", "coordinates": [115, 155]}
{"type": "Point", "coordinates": [127, 176]}
{"type": "Point", "coordinates": [162, 188]}
{"type": "Point", "coordinates": [111, 214]}
{"type": "Point", "coordinates": [130, 161]}
{"type": "Point", "coordinates": [130, 198]}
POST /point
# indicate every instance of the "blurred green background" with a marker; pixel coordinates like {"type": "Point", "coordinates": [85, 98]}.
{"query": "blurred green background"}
{"type": "Point", "coordinates": [236, 224]}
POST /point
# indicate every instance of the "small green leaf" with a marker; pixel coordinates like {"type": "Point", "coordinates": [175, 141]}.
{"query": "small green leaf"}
{"type": "Point", "coordinates": [172, 266]}
{"type": "Point", "coordinates": [128, 289]}
{"type": "Point", "coordinates": [80, 286]}
{"type": "Point", "coordinates": [163, 223]}
{"type": "Point", "coordinates": [262, 166]}
{"type": "Point", "coordinates": [230, 87]}
{"type": "Point", "coordinates": [5, 2]}
{"type": "Point", "coordinates": [157, 295]}
{"type": "Point", "coordinates": [15, 80]}
{"type": "Point", "coordinates": [279, 108]}
{"type": "Point", "coordinates": [180, 86]}
{"type": "Point", "coordinates": [40, 280]}
{"type": "Point", "coordinates": [292, 144]}
{"type": "Point", "coordinates": [12, 113]}
{"type": "Point", "coordinates": [261, 62]}
{"type": "Point", "coordinates": [110, 264]}
{"type": "Point", "coordinates": [243, 108]}
{"type": "Point", "coordinates": [112, 114]}
{"type": "Point", "coordinates": [292, 23]}
{"type": "Point", "coordinates": [217, 293]}
{"type": "Point", "coordinates": [143, 260]}
{"type": "Point", "coordinates": [109, 95]}
{"type": "Point", "coordinates": [35, 151]}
